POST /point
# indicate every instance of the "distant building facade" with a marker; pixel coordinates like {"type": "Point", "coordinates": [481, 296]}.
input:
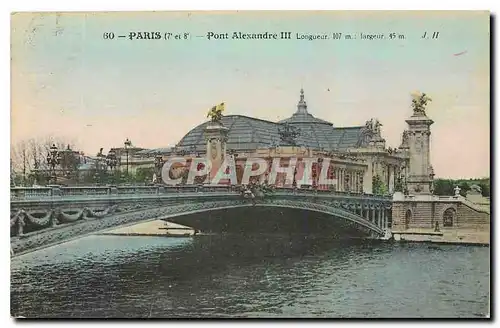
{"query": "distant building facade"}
{"type": "Point", "coordinates": [357, 153]}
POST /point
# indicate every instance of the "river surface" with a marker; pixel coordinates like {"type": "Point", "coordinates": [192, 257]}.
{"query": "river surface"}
{"type": "Point", "coordinates": [249, 276]}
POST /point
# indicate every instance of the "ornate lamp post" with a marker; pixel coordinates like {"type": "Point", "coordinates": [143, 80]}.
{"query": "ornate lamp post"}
{"type": "Point", "coordinates": [53, 159]}
{"type": "Point", "coordinates": [100, 168]}
{"type": "Point", "coordinates": [127, 144]}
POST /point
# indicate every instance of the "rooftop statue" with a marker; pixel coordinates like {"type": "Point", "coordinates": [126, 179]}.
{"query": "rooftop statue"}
{"type": "Point", "coordinates": [289, 134]}
{"type": "Point", "coordinates": [371, 131]}
{"type": "Point", "coordinates": [419, 102]}
{"type": "Point", "coordinates": [374, 125]}
{"type": "Point", "coordinates": [215, 113]}
{"type": "Point", "coordinates": [404, 139]}
{"type": "Point", "coordinates": [405, 136]}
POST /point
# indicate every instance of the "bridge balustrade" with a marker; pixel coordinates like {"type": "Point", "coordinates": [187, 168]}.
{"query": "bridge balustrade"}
{"type": "Point", "coordinates": [189, 188]}
{"type": "Point", "coordinates": [20, 193]}
{"type": "Point", "coordinates": [81, 191]}
{"type": "Point", "coordinates": [31, 192]}
{"type": "Point", "coordinates": [217, 188]}
{"type": "Point", "coordinates": [141, 190]}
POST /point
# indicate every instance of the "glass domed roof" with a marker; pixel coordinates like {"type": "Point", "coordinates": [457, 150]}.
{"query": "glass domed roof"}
{"type": "Point", "coordinates": [248, 133]}
{"type": "Point", "coordinates": [245, 133]}
{"type": "Point", "coordinates": [302, 115]}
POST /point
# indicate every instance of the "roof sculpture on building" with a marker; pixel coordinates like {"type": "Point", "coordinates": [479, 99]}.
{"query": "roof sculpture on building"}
{"type": "Point", "coordinates": [301, 129]}
{"type": "Point", "coordinates": [288, 135]}
{"type": "Point", "coordinates": [370, 133]}
{"type": "Point", "coordinates": [404, 140]}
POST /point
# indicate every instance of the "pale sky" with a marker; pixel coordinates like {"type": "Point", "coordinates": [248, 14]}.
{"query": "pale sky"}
{"type": "Point", "coordinates": [69, 82]}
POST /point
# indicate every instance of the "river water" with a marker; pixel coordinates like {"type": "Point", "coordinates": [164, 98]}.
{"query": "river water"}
{"type": "Point", "coordinates": [249, 276]}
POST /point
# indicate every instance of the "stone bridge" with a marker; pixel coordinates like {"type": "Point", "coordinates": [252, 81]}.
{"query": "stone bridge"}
{"type": "Point", "coordinates": [49, 215]}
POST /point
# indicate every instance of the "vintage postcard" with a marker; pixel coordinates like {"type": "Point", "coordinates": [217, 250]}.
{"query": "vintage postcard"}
{"type": "Point", "coordinates": [258, 164]}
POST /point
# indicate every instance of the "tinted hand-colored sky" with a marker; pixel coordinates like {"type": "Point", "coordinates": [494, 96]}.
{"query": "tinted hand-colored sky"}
{"type": "Point", "coordinates": [69, 82]}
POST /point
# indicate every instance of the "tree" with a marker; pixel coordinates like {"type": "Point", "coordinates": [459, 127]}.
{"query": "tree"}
{"type": "Point", "coordinates": [114, 177]}
{"type": "Point", "coordinates": [464, 187]}
{"type": "Point", "coordinates": [144, 175]}
{"type": "Point", "coordinates": [444, 187]}
{"type": "Point", "coordinates": [29, 162]}
{"type": "Point", "coordinates": [89, 176]}
{"type": "Point", "coordinates": [485, 188]}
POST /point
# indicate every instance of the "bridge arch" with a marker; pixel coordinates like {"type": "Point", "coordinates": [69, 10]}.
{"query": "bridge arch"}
{"type": "Point", "coordinates": [336, 213]}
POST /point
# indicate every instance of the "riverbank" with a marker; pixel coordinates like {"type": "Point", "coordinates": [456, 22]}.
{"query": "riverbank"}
{"type": "Point", "coordinates": [446, 236]}
{"type": "Point", "coordinates": [153, 228]}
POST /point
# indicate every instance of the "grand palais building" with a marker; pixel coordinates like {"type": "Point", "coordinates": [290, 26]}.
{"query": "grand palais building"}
{"type": "Point", "coordinates": [357, 153]}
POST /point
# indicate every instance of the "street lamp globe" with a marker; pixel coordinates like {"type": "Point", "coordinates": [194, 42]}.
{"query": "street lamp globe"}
{"type": "Point", "coordinates": [127, 143]}
{"type": "Point", "coordinates": [53, 149]}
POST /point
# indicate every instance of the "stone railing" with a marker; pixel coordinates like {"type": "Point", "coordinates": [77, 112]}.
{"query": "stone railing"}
{"type": "Point", "coordinates": [474, 206]}
{"type": "Point", "coordinates": [434, 198]}
{"type": "Point", "coordinates": [80, 191]}
{"type": "Point", "coordinates": [465, 201]}
{"type": "Point", "coordinates": [22, 193]}
{"type": "Point", "coordinates": [320, 192]}
{"type": "Point", "coordinates": [28, 193]}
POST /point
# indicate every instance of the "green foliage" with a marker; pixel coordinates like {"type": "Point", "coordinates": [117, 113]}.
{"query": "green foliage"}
{"type": "Point", "coordinates": [31, 178]}
{"type": "Point", "coordinates": [464, 187]}
{"type": "Point", "coordinates": [143, 175]}
{"type": "Point", "coordinates": [114, 177]}
{"type": "Point", "coordinates": [17, 180]}
{"type": "Point", "coordinates": [378, 186]}
{"type": "Point", "coordinates": [89, 177]}
{"type": "Point", "coordinates": [443, 187]}
{"type": "Point", "coordinates": [485, 188]}
{"type": "Point", "coordinates": [446, 187]}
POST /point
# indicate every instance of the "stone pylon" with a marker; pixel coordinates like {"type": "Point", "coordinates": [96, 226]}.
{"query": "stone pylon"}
{"type": "Point", "coordinates": [216, 137]}
{"type": "Point", "coordinates": [420, 174]}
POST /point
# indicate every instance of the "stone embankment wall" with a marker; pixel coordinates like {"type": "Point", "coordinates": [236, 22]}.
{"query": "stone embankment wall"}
{"type": "Point", "coordinates": [425, 214]}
